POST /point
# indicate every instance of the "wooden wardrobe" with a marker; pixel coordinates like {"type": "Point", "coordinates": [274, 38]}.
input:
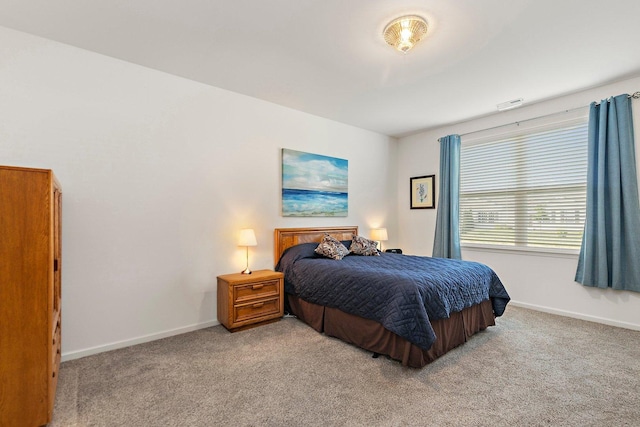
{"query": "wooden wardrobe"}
{"type": "Point", "coordinates": [30, 322]}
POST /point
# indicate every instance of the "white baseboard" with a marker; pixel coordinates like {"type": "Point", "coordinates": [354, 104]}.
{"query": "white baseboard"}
{"type": "Point", "coordinates": [580, 316]}
{"type": "Point", "coordinates": [139, 340]}
{"type": "Point", "coordinates": [152, 337]}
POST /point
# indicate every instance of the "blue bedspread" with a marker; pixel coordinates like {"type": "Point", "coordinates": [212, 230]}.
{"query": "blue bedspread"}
{"type": "Point", "coordinates": [401, 292]}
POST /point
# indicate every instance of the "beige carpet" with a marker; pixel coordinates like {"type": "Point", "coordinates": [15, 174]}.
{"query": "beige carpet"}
{"type": "Point", "coordinates": [532, 369]}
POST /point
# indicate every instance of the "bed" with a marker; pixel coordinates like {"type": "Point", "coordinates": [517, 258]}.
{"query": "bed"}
{"type": "Point", "coordinates": [387, 305]}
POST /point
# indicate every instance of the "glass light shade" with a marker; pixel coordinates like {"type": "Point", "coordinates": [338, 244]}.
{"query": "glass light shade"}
{"type": "Point", "coordinates": [247, 237]}
{"type": "Point", "coordinates": [379, 234]}
{"type": "Point", "coordinates": [403, 33]}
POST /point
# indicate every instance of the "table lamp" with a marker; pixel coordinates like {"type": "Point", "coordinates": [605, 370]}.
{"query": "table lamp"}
{"type": "Point", "coordinates": [379, 235]}
{"type": "Point", "coordinates": [247, 238]}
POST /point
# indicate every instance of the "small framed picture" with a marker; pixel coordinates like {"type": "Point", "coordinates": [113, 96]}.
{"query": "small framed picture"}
{"type": "Point", "coordinates": [423, 192]}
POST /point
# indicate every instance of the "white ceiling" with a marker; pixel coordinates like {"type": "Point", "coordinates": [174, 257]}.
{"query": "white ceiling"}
{"type": "Point", "coordinates": [328, 57]}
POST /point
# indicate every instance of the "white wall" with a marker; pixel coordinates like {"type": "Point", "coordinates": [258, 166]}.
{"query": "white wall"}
{"type": "Point", "coordinates": [535, 281]}
{"type": "Point", "coordinates": [158, 174]}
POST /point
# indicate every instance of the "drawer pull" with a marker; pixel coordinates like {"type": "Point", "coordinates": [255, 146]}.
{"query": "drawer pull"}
{"type": "Point", "coordinates": [257, 305]}
{"type": "Point", "coordinates": [256, 287]}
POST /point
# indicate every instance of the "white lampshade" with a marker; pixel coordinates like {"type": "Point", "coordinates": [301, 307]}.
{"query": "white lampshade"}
{"type": "Point", "coordinates": [247, 237]}
{"type": "Point", "coordinates": [379, 234]}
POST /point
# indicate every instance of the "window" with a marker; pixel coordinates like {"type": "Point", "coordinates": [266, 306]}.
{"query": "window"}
{"type": "Point", "coordinates": [525, 190]}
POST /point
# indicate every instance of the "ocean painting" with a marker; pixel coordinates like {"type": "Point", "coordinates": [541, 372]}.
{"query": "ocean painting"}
{"type": "Point", "coordinates": [314, 185]}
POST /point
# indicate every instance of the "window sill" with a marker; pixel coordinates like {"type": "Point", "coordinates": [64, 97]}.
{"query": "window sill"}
{"type": "Point", "coordinates": [520, 250]}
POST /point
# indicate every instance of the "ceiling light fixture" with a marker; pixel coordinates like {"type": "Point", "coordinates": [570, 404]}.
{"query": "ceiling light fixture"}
{"type": "Point", "coordinates": [403, 33]}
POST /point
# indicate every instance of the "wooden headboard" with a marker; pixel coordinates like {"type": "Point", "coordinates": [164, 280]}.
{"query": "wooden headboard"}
{"type": "Point", "coordinates": [286, 237]}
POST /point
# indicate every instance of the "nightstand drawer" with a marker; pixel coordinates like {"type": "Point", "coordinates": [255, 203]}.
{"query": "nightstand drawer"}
{"type": "Point", "coordinates": [256, 309]}
{"type": "Point", "coordinates": [251, 291]}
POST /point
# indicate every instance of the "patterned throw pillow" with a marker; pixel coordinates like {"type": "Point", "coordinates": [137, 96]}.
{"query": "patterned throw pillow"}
{"type": "Point", "coordinates": [332, 248]}
{"type": "Point", "coordinates": [362, 246]}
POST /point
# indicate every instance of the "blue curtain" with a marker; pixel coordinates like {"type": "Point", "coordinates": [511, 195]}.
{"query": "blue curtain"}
{"type": "Point", "coordinates": [447, 239]}
{"type": "Point", "coordinates": [610, 253]}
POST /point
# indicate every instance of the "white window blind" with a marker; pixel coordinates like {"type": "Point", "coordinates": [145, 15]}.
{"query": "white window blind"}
{"type": "Point", "coordinates": [527, 190]}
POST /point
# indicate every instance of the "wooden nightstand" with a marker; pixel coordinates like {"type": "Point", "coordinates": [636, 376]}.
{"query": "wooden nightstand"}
{"type": "Point", "coordinates": [247, 300]}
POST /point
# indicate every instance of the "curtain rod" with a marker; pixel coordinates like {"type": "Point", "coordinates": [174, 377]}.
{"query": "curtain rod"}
{"type": "Point", "coordinates": [634, 95]}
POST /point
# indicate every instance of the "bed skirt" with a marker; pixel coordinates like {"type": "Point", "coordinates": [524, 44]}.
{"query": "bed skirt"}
{"type": "Point", "coordinates": [371, 335]}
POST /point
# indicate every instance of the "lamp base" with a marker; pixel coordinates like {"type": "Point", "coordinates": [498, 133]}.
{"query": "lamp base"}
{"type": "Point", "coordinates": [246, 270]}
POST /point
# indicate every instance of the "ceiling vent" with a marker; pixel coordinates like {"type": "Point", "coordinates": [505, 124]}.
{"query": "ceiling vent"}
{"type": "Point", "coordinates": [510, 104]}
